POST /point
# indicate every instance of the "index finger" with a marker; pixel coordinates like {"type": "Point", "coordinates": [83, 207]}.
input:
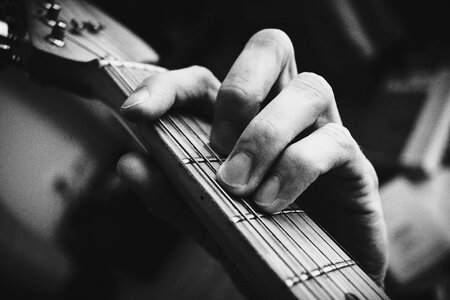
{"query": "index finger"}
{"type": "Point", "coordinates": [266, 63]}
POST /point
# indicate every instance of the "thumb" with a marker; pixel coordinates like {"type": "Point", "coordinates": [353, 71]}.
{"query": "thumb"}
{"type": "Point", "coordinates": [147, 181]}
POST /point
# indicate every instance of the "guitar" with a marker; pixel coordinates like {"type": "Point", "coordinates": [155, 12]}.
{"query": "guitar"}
{"type": "Point", "coordinates": [285, 255]}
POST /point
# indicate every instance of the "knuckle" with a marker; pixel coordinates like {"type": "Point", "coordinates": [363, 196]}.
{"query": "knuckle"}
{"type": "Point", "coordinates": [259, 134]}
{"type": "Point", "coordinates": [302, 162]}
{"type": "Point", "coordinates": [317, 89]}
{"type": "Point", "coordinates": [207, 80]}
{"type": "Point", "coordinates": [236, 87]}
{"type": "Point", "coordinates": [203, 72]}
{"type": "Point", "coordinates": [274, 40]}
{"type": "Point", "coordinates": [342, 137]}
{"type": "Point", "coordinates": [200, 69]}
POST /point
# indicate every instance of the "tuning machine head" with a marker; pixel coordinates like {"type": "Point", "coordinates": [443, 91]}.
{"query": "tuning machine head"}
{"type": "Point", "coordinates": [8, 43]}
{"type": "Point", "coordinates": [56, 37]}
{"type": "Point", "coordinates": [52, 13]}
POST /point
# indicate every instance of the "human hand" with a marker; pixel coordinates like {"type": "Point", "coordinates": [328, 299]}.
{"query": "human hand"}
{"type": "Point", "coordinates": [284, 135]}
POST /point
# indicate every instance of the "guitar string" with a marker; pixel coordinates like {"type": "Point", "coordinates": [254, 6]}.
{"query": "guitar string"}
{"type": "Point", "coordinates": [255, 214]}
{"type": "Point", "coordinates": [106, 51]}
{"type": "Point", "coordinates": [130, 90]}
{"type": "Point", "coordinates": [211, 151]}
{"type": "Point", "coordinates": [86, 42]}
{"type": "Point", "coordinates": [106, 33]}
{"type": "Point", "coordinates": [244, 215]}
{"type": "Point", "coordinates": [320, 250]}
{"type": "Point", "coordinates": [330, 247]}
{"type": "Point", "coordinates": [305, 236]}
{"type": "Point", "coordinates": [308, 223]}
{"type": "Point", "coordinates": [124, 55]}
{"type": "Point", "coordinates": [288, 216]}
{"type": "Point", "coordinates": [339, 255]}
{"type": "Point", "coordinates": [280, 226]}
{"type": "Point", "coordinates": [90, 49]}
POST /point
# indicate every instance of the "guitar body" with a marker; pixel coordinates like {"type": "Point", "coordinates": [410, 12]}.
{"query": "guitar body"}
{"type": "Point", "coordinates": [285, 255]}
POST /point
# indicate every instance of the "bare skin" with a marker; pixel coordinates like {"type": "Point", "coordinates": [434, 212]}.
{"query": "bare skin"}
{"type": "Point", "coordinates": [285, 139]}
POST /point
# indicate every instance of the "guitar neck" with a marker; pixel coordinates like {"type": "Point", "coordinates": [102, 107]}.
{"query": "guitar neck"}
{"type": "Point", "coordinates": [284, 255]}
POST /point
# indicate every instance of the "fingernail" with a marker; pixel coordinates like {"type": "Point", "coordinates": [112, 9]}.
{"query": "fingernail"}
{"type": "Point", "coordinates": [236, 172]}
{"type": "Point", "coordinates": [223, 137]}
{"type": "Point", "coordinates": [266, 196]}
{"type": "Point", "coordinates": [139, 96]}
{"type": "Point", "coordinates": [131, 108]}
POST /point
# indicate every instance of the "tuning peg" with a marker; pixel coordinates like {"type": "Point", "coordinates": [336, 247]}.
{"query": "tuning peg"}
{"type": "Point", "coordinates": [76, 27]}
{"type": "Point", "coordinates": [52, 15]}
{"type": "Point", "coordinates": [93, 26]}
{"type": "Point", "coordinates": [5, 55]}
{"type": "Point", "coordinates": [56, 37]}
{"type": "Point", "coordinates": [6, 36]}
{"type": "Point", "coordinates": [7, 42]}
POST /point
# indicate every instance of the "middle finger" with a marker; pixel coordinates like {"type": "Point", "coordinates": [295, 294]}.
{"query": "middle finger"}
{"type": "Point", "coordinates": [307, 100]}
{"type": "Point", "coordinates": [266, 64]}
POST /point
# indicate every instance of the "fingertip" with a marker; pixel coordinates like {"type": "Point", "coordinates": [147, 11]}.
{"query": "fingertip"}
{"type": "Point", "coordinates": [238, 190]}
{"type": "Point", "coordinates": [133, 107]}
{"type": "Point", "coordinates": [270, 208]}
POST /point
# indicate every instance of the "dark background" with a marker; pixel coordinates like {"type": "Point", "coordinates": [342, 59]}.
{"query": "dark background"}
{"type": "Point", "coordinates": [113, 247]}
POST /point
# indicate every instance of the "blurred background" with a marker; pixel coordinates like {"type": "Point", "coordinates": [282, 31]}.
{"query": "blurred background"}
{"type": "Point", "coordinates": [70, 229]}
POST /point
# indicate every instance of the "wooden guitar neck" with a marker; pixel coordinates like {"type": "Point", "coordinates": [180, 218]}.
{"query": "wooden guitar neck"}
{"type": "Point", "coordinates": [285, 255]}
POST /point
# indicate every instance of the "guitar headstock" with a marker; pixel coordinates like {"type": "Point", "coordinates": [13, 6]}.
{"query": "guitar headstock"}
{"type": "Point", "coordinates": [78, 31]}
{"type": "Point", "coordinates": [65, 38]}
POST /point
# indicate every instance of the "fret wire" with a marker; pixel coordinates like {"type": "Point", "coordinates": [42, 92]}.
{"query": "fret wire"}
{"type": "Point", "coordinates": [295, 258]}
{"type": "Point", "coordinates": [231, 200]}
{"type": "Point", "coordinates": [176, 141]}
{"type": "Point", "coordinates": [256, 230]}
{"type": "Point", "coordinates": [320, 235]}
{"type": "Point", "coordinates": [99, 47]}
{"type": "Point", "coordinates": [316, 246]}
{"type": "Point", "coordinates": [340, 256]}
{"type": "Point", "coordinates": [302, 232]}
{"type": "Point", "coordinates": [321, 271]}
{"type": "Point", "coordinates": [212, 179]}
{"type": "Point", "coordinates": [308, 255]}
{"type": "Point", "coordinates": [259, 218]}
{"type": "Point", "coordinates": [126, 71]}
{"type": "Point", "coordinates": [238, 219]}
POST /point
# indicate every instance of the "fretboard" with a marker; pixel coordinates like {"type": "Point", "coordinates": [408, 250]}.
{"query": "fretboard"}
{"type": "Point", "coordinates": [284, 255]}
